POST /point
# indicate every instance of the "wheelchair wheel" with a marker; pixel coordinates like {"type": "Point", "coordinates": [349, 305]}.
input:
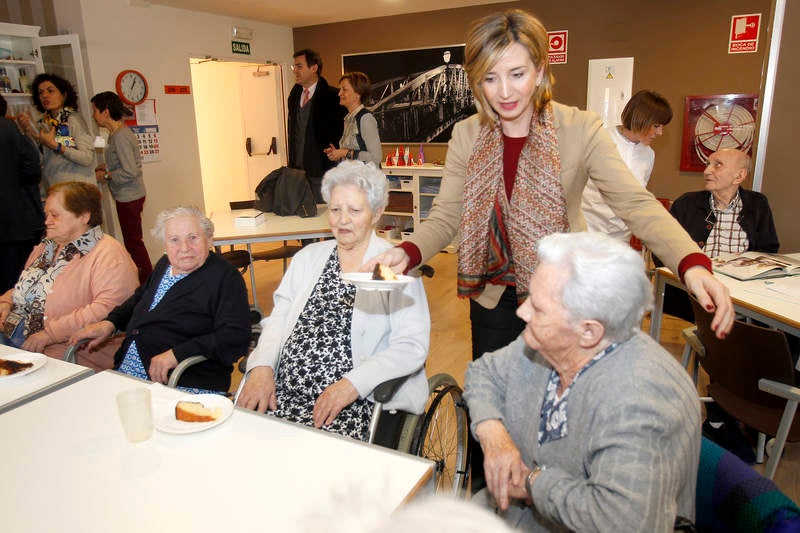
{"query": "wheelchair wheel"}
{"type": "Point", "coordinates": [443, 436]}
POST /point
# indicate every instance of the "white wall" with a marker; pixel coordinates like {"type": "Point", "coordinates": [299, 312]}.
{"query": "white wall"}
{"type": "Point", "coordinates": [158, 42]}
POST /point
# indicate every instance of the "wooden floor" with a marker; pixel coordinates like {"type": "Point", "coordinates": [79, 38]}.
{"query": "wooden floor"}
{"type": "Point", "coordinates": [450, 340]}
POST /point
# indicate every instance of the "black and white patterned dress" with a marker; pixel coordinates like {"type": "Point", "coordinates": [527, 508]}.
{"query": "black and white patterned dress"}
{"type": "Point", "coordinates": [318, 353]}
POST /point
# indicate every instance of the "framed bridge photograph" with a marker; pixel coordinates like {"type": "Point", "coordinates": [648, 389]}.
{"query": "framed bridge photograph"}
{"type": "Point", "coordinates": [417, 94]}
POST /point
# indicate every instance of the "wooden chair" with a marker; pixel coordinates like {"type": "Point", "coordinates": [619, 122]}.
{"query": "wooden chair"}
{"type": "Point", "coordinates": [637, 244]}
{"type": "Point", "coordinates": [752, 377]}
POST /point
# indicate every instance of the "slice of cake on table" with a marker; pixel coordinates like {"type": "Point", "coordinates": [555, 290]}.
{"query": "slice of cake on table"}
{"type": "Point", "coordinates": [196, 412]}
{"type": "Point", "coordinates": [8, 367]}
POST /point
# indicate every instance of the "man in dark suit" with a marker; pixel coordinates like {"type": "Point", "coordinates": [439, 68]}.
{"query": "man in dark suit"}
{"type": "Point", "coordinates": [21, 215]}
{"type": "Point", "coordinates": [316, 119]}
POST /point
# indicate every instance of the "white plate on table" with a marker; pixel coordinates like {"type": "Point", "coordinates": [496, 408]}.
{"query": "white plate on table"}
{"type": "Point", "coordinates": [38, 360]}
{"type": "Point", "coordinates": [363, 280]}
{"type": "Point", "coordinates": [164, 413]}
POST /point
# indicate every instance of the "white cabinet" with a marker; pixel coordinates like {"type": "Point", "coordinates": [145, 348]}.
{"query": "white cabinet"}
{"type": "Point", "coordinates": [411, 197]}
{"type": "Point", "coordinates": [23, 51]}
{"type": "Point", "coordinates": [20, 58]}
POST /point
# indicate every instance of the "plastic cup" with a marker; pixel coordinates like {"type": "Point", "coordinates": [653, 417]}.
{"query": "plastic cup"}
{"type": "Point", "coordinates": [135, 414]}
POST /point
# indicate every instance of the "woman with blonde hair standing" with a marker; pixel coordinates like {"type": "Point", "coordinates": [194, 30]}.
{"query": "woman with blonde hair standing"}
{"type": "Point", "coordinates": [515, 172]}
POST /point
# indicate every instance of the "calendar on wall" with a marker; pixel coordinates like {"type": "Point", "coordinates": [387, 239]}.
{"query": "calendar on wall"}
{"type": "Point", "coordinates": [144, 124]}
{"type": "Point", "coordinates": [148, 142]}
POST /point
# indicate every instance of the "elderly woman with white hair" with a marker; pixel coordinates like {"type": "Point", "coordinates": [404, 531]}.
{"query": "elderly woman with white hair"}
{"type": "Point", "coordinates": [194, 303]}
{"type": "Point", "coordinates": [585, 422]}
{"type": "Point", "coordinates": [327, 345]}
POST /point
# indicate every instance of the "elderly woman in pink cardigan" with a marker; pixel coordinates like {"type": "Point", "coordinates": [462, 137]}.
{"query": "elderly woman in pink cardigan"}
{"type": "Point", "coordinates": [74, 277]}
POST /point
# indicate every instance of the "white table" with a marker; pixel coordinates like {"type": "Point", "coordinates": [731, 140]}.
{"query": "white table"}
{"type": "Point", "coordinates": [68, 467]}
{"type": "Point", "coordinates": [274, 228]}
{"type": "Point", "coordinates": [748, 300]}
{"type": "Point", "coordinates": [55, 374]}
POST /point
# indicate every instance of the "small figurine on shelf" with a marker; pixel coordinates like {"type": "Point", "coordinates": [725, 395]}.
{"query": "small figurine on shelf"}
{"type": "Point", "coordinates": [401, 161]}
{"type": "Point", "coordinates": [421, 156]}
{"type": "Point", "coordinates": [408, 155]}
{"type": "Point", "coordinates": [388, 160]}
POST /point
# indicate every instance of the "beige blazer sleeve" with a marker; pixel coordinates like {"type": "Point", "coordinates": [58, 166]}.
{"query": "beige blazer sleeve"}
{"type": "Point", "coordinates": [587, 152]}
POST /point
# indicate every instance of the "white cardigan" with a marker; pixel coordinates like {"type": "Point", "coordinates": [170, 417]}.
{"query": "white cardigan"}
{"type": "Point", "coordinates": [390, 330]}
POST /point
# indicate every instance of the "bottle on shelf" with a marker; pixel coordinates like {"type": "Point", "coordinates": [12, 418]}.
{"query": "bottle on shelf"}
{"type": "Point", "coordinates": [23, 81]}
{"type": "Point", "coordinates": [5, 81]}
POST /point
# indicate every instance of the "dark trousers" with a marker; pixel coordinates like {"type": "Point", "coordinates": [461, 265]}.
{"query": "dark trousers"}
{"type": "Point", "coordinates": [130, 221]}
{"type": "Point", "coordinates": [12, 260]}
{"type": "Point", "coordinates": [491, 330]}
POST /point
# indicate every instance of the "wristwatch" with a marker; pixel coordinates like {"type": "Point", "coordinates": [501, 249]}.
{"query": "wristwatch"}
{"type": "Point", "coordinates": [529, 480]}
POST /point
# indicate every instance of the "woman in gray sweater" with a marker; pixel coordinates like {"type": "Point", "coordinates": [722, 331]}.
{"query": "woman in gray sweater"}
{"type": "Point", "coordinates": [122, 172]}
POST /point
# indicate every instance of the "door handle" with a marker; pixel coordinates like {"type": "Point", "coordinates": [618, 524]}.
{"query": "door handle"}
{"type": "Point", "coordinates": [273, 147]}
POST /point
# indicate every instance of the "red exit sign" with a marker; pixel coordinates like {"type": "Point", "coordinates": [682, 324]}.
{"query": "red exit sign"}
{"type": "Point", "coordinates": [177, 89]}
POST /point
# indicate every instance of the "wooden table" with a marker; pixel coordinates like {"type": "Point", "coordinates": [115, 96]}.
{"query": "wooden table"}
{"type": "Point", "coordinates": [55, 374]}
{"type": "Point", "coordinates": [749, 299]}
{"type": "Point", "coordinates": [68, 467]}
{"type": "Point", "coordinates": [274, 228]}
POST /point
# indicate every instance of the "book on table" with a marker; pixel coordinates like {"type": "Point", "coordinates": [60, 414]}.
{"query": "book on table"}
{"type": "Point", "coordinates": [755, 265]}
{"type": "Point", "coordinates": [249, 217]}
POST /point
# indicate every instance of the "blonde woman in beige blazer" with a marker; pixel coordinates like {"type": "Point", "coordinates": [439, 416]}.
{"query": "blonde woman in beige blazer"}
{"type": "Point", "coordinates": [506, 60]}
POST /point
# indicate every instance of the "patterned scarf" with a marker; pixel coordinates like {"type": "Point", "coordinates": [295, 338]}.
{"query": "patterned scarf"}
{"type": "Point", "coordinates": [61, 125]}
{"type": "Point", "coordinates": [499, 236]}
{"type": "Point", "coordinates": [36, 281]}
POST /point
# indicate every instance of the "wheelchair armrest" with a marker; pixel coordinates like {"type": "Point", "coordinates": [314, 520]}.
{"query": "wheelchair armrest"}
{"type": "Point", "coordinates": [181, 368]}
{"type": "Point", "coordinates": [385, 391]}
{"type": "Point", "coordinates": [71, 353]}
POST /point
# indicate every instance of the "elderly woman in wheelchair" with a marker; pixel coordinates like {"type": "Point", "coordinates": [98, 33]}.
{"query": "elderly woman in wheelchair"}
{"type": "Point", "coordinates": [194, 303]}
{"type": "Point", "coordinates": [327, 343]}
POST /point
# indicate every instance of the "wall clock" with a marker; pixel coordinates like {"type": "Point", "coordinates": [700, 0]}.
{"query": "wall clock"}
{"type": "Point", "coordinates": [131, 86]}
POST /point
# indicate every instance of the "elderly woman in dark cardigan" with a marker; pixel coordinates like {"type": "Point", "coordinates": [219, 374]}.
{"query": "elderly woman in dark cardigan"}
{"type": "Point", "coordinates": [194, 303]}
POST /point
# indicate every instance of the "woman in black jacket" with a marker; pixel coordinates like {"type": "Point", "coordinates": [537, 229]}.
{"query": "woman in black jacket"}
{"type": "Point", "coordinates": [194, 303]}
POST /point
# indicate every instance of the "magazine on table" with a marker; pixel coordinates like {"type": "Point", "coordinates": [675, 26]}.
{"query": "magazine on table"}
{"type": "Point", "coordinates": [755, 265]}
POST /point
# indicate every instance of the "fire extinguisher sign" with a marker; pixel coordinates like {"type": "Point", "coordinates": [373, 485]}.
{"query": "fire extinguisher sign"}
{"type": "Point", "coordinates": [743, 37]}
{"type": "Point", "coordinates": [557, 49]}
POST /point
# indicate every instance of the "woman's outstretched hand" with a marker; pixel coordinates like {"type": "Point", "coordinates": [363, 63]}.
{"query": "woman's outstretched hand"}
{"type": "Point", "coordinates": [394, 258]}
{"type": "Point", "coordinates": [713, 296]}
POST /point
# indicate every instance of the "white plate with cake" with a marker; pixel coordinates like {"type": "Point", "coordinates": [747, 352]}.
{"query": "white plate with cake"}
{"type": "Point", "coordinates": [382, 278]}
{"type": "Point", "coordinates": [14, 366]}
{"type": "Point", "coordinates": [192, 413]}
